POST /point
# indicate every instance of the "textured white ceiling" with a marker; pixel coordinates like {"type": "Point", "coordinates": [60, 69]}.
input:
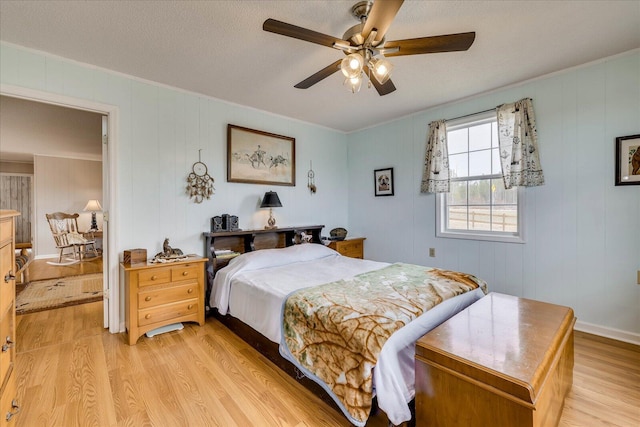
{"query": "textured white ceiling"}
{"type": "Point", "coordinates": [218, 48]}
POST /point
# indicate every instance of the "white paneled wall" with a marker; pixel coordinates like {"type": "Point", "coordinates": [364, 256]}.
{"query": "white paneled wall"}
{"type": "Point", "coordinates": [583, 233]}
{"type": "Point", "coordinates": [160, 132]}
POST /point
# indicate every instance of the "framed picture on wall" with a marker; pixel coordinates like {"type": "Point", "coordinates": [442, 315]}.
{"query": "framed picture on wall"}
{"type": "Point", "coordinates": [383, 182]}
{"type": "Point", "coordinates": [257, 157]}
{"type": "Point", "coordinates": [628, 160]}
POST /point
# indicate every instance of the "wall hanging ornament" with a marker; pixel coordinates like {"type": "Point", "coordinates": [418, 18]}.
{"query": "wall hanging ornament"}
{"type": "Point", "coordinates": [199, 182]}
{"type": "Point", "coordinates": [311, 183]}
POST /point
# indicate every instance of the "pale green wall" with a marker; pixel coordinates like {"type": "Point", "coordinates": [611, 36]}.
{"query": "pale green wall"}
{"type": "Point", "coordinates": [160, 132]}
{"type": "Point", "coordinates": [583, 233]}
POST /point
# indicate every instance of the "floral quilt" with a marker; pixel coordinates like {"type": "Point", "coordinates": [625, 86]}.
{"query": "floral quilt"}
{"type": "Point", "coordinates": [336, 331]}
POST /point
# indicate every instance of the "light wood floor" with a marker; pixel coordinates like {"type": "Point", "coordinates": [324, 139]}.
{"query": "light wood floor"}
{"type": "Point", "coordinates": [72, 372]}
{"type": "Point", "coordinates": [40, 270]}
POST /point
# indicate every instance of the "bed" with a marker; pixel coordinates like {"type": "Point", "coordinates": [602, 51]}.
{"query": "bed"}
{"type": "Point", "coordinates": [253, 290]}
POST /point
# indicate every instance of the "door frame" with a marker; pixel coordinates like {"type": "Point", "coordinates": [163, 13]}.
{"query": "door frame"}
{"type": "Point", "coordinates": [112, 312]}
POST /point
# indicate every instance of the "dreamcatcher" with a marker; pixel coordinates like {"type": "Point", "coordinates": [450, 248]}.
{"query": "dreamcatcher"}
{"type": "Point", "coordinates": [311, 183]}
{"type": "Point", "coordinates": [199, 182]}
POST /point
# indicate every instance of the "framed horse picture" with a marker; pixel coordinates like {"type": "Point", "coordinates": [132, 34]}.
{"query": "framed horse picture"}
{"type": "Point", "coordinates": [258, 157]}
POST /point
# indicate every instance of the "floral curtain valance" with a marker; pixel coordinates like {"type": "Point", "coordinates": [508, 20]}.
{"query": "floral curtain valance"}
{"type": "Point", "coordinates": [435, 175]}
{"type": "Point", "coordinates": [518, 140]}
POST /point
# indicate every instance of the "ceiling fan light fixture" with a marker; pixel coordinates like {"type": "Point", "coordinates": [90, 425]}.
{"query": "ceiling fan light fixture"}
{"type": "Point", "coordinates": [382, 69]}
{"type": "Point", "coordinates": [352, 65]}
{"type": "Point", "coordinates": [353, 84]}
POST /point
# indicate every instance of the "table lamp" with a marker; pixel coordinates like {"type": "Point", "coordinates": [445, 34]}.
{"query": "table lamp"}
{"type": "Point", "coordinates": [271, 200]}
{"type": "Point", "coordinates": [93, 206]}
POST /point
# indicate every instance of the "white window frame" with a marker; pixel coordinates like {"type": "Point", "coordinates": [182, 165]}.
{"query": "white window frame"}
{"type": "Point", "coordinates": [441, 199]}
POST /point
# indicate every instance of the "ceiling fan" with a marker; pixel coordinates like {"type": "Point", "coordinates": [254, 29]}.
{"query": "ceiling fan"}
{"type": "Point", "coordinates": [366, 47]}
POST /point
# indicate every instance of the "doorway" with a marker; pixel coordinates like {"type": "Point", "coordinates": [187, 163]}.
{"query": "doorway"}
{"type": "Point", "coordinates": [110, 288]}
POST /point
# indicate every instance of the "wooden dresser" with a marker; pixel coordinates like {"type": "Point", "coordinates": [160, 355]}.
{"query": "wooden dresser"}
{"type": "Point", "coordinates": [353, 247]}
{"type": "Point", "coordinates": [161, 294]}
{"type": "Point", "coordinates": [8, 404]}
{"type": "Point", "coordinates": [503, 361]}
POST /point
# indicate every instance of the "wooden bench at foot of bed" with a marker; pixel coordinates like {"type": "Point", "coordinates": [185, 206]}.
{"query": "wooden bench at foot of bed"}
{"type": "Point", "coordinates": [503, 361]}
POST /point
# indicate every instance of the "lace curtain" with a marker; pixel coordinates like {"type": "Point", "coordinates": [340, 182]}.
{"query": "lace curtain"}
{"type": "Point", "coordinates": [435, 176]}
{"type": "Point", "coordinates": [518, 139]}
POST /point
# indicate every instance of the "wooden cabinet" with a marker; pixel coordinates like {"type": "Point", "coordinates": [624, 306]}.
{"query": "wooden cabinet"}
{"type": "Point", "coordinates": [503, 361]}
{"type": "Point", "coordinates": [353, 247]}
{"type": "Point", "coordinates": [8, 404]}
{"type": "Point", "coordinates": [161, 294]}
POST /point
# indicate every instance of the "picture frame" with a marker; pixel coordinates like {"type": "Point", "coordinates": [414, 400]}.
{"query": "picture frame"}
{"type": "Point", "coordinates": [258, 157]}
{"type": "Point", "coordinates": [383, 182]}
{"type": "Point", "coordinates": [628, 160]}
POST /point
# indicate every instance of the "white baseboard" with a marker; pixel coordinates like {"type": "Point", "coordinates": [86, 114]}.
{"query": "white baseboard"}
{"type": "Point", "coordinates": [612, 333]}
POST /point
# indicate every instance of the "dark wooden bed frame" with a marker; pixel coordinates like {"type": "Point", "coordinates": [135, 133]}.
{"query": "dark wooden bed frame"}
{"type": "Point", "coordinates": [243, 241]}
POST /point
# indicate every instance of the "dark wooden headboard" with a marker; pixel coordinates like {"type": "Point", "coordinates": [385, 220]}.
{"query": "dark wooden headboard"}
{"type": "Point", "coordinates": [250, 240]}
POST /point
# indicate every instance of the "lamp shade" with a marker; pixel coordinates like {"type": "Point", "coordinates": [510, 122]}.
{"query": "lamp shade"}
{"type": "Point", "coordinates": [93, 206]}
{"type": "Point", "coordinates": [271, 200]}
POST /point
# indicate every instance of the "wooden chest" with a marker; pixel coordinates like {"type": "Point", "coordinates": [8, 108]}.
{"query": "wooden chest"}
{"type": "Point", "coordinates": [503, 361]}
{"type": "Point", "coordinates": [161, 294]}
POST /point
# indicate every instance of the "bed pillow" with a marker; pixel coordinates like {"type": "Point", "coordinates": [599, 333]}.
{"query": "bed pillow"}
{"type": "Point", "coordinates": [260, 259]}
{"type": "Point", "coordinates": [267, 258]}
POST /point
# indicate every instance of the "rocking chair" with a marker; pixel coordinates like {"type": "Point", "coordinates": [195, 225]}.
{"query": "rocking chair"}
{"type": "Point", "coordinates": [64, 228]}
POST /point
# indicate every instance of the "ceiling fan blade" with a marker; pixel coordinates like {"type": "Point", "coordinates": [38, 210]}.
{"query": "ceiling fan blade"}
{"type": "Point", "coordinates": [383, 89]}
{"type": "Point", "coordinates": [444, 43]}
{"type": "Point", "coordinates": [320, 75]}
{"type": "Point", "coordinates": [300, 33]}
{"type": "Point", "coordinates": [380, 17]}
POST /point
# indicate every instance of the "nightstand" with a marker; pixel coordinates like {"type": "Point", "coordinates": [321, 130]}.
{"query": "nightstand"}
{"type": "Point", "coordinates": [161, 294]}
{"type": "Point", "coordinates": [353, 247]}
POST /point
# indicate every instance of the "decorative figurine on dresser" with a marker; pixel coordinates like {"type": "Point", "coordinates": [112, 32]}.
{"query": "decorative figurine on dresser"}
{"type": "Point", "coordinates": [163, 292]}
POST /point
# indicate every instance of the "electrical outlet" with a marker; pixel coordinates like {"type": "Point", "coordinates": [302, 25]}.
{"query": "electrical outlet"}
{"type": "Point", "coordinates": [432, 254]}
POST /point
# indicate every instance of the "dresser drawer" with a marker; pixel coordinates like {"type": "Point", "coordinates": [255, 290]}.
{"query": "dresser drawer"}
{"type": "Point", "coordinates": [165, 312]}
{"type": "Point", "coordinates": [352, 249]}
{"type": "Point", "coordinates": [154, 276]}
{"type": "Point", "coordinates": [6, 229]}
{"type": "Point", "coordinates": [152, 298]}
{"type": "Point", "coordinates": [7, 411]}
{"type": "Point", "coordinates": [184, 272]}
{"type": "Point", "coordinates": [6, 353]}
{"type": "Point", "coordinates": [6, 288]}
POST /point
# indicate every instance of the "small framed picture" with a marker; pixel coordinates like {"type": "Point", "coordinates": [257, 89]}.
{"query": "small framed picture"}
{"type": "Point", "coordinates": [383, 182]}
{"type": "Point", "coordinates": [628, 160]}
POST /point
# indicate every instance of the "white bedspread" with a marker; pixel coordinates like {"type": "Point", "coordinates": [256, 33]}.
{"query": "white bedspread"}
{"type": "Point", "coordinates": [253, 287]}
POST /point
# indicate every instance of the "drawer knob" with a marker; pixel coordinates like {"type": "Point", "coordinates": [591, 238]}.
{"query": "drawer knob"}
{"type": "Point", "coordinates": [14, 409]}
{"type": "Point", "coordinates": [190, 306]}
{"type": "Point", "coordinates": [9, 276]}
{"type": "Point", "coordinates": [184, 273]}
{"type": "Point", "coordinates": [8, 343]}
{"type": "Point", "coordinates": [190, 291]}
{"type": "Point", "coordinates": [148, 316]}
{"type": "Point", "coordinates": [154, 277]}
{"type": "Point", "coordinates": [147, 299]}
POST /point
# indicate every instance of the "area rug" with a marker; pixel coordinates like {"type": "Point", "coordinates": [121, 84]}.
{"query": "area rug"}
{"type": "Point", "coordinates": [56, 293]}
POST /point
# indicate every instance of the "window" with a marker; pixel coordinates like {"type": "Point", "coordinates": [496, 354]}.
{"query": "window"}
{"type": "Point", "coordinates": [477, 205]}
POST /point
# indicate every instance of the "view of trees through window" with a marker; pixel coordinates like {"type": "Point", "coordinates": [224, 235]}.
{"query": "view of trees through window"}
{"type": "Point", "coordinates": [477, 199]}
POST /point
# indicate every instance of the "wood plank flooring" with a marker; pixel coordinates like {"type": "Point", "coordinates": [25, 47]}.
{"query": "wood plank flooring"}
{"type": "Point", "coordinates": [72, 372]}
